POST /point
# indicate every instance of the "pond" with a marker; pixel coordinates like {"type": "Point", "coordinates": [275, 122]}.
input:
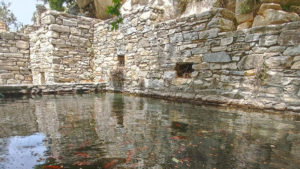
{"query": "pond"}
{"type": "Point", "coordinates": [112, 130]}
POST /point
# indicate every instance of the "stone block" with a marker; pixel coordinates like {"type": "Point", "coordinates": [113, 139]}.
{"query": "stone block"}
{"type": "Point", "coordinates": [289, 37]}
{"type": "Point", "coordinates": [200, 50]}
{"type": "Point", "coordinates": [169, 75]}
{"type": "Point", "coordinates": [201, 66]}
{"type": "Point", "coordinates": [131, 30]}
{"type": "Point", "coordinates": [59, 28]}
{"type": "Point", "coordinates": [252, 37]}
{"type": "Point", "coordinates": [181, 81]}
{"type": "Point", "coordinates": [13, 49]}
{"type": "Point", "coordinates": [219, 57]}
{"type": "Point", "coordinates": [8, 35]}
{"type": "Point", "coordinates": [200, 27]}
{"type": "Point", "coordinates": [244, 25]}
{"type": "Point", "coordinates": [296, 58]}
{"type": "Point", "coordinates": [219, 48]}
{"type": "Point", "coordinates": [241, 18]}
{"type": "Point", "coordinates": [176, 38]}
{"type": "Point", "coordinates": [48, 19]}
{"type": "Point", "coordinates": [296, 65]}
{"type": "Point", "coordinates": [145, 16]}
{"type": "Point", "coordinates": [52, 34]}
{"type": "Point", "coordinates": [268, 40]}
{"type": "Point", "coordinates": [272, 16]}
{"type": "Point", "coordinates": [69, 22]}
{"type": "Point", "coordinates": [222, 24]}
{"type": "Point", "coordinates": [226, 41]}
{"type": "Point", "coordinates": [231, 66]}
{"type": "Point", "coordinates": [266, 6]}
{"type": "Point", "coordinates": [251, 62]}
{"type": "Point", "coordinates": [292, 51]}
{"type": "Point", "coordinates": [22, 44]}
{"type": "Point", "coordinates": [58, 41]}
{"type": "Point", "coordinates": [190, 36]}
{"type": "Point", "coordinates": [12, 81]}
{"type": "Point", "coordinates": [277, 62]}
{"type": "Point", "coordinates": [19, 77]}
{"type": "Point", "coordinates": [6, 76]}
{"type": "Point", "coordinates": [209, 34]}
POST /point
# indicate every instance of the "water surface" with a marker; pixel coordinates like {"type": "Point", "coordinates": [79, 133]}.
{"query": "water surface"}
{"type": "Point", "coordinates": [118, 131]}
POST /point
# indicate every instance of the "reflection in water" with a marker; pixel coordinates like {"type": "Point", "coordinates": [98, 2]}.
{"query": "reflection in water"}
{"type": "Point", "coordinates": [21, 152]}
{"type": "Point", "coordinates": [117, 131]}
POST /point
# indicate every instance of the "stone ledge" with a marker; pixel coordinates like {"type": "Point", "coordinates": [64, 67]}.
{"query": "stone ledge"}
{"type": "Point", "coordinates": [13, 90]}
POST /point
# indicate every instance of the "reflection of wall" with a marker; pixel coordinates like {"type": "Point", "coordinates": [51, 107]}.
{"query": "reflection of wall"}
{"type": "Point", "coordinates": [68, 123]}
{"type": "Point", "coordinates": [111, 126]}
{"type": "Point", "coordinates": [17, 118]}
{"type": "Point", "coordinates": [241, 139]}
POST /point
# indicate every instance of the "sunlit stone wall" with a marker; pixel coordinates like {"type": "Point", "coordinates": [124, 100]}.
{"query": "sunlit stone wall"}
{"type": "Point", "coordinates": [14, 59]}
{"type": "Point", "coordinates": [61, 49]}
{"type": "Point", "coordinates": [257, 67]}
{"type": "Point", "coordinates": [200, 57]}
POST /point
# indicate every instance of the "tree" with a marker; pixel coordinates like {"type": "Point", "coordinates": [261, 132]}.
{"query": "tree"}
{"type": "Point", "coordinates": [114, 10]}
{"type": "Point", "coordinates": [8, 17]}
{"type": "Point", "coordinates": [66, 5]}
{"type": "Point", "coordinates": [59, 5]}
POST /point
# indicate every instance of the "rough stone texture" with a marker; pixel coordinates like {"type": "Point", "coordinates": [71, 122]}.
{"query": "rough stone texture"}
{"type": "Point", "coordinates": [239, 67]}
{"type": "Point", "coordinates": [257, 67]}
{"type": "Point", "coordinates": [266, 6]}
{"type": "Point", "coordinates": [220, 57]}
{"type": "Point", "coordinates": [272, 16]}
{"type": "Point", "coordinates": [14, 59]}
{"type": "Point", "coordinates": [61, 51]}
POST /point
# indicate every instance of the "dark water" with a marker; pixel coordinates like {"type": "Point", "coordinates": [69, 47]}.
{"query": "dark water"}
{"type": "Point", "coordinates": [118, 131]}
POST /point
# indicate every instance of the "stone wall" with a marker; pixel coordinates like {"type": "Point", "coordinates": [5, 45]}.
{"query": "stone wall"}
{"type": "Point", "coordinates": [200, 58]}
{"type": "Point", "coordinates": [61, 49]}
{"type": "Point", "coordinates": [257, 67]}
{"type": "Point", "coordinates": [14, 59]}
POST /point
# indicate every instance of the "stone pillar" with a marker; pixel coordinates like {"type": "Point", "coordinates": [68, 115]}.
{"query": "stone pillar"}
{"type": "Point", "coordinates": [3, 27]}
{"type": "Point", "coordinates": [37, 16]}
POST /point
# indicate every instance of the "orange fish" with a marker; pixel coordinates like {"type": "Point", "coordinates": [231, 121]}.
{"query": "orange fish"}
{"type": "Point", "coordinates": [80, 163]}
{"type": "Point", "coordinates": [85, 155]}
{"type": "Point", "coordinates": [177, 137]}
{"type": "Point", "coordinates": [52, 167]}
{"type": "Point", "coordinates": [111, 164]}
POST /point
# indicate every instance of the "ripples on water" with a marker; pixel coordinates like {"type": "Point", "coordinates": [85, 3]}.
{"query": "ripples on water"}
{"type": "Point", "coordinates": [119, 131]}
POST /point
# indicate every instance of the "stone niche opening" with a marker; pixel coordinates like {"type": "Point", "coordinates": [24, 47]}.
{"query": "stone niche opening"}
{"type": "Point", "coordinates": [121, 60]}
{"type": "Point", "coordinates": [43, 79]}
{"type": "Point", "coordinates": [184, 70]}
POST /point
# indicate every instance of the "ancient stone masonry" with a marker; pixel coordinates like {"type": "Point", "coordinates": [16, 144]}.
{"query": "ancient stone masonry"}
{"type": "Point", "coordinates": [61, 49]}
{"type": "Point", "coordinates": [200, 57]}
{"type": "Point", "coordinates": [257, 67]}
{"type": "Point", "coordinates": [14, 59]}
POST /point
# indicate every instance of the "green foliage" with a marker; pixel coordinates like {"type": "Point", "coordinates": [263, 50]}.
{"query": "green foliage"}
{"type": "Point", "coordinates": [262, 73]}
{"type": "Point", "coordinates": [246, 7]}
{"type": "Point", "coordinates": [287, 7]}
{"type": "Point", "coordinates": [59, 5]}
{"type": "Point", "coordinates": [114, 10]}
{"type": "Point", "coordinates": [1, 96]}
{"type": "Point", "coordinates": [7, 16]}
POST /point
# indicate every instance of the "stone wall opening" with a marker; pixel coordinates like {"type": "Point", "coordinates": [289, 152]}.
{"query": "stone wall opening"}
{"type": "Point", "coordinates": [121, 60]}
{"type": "Point", "coordinates": [43, 79]}
{"type": "Point", "coordinates": [184, 70]}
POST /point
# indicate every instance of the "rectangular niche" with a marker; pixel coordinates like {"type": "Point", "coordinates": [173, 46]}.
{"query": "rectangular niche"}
{"type": "Point", "coordinates": [121, 60]}
{"type": "Point", "coordinates": [184, 70]}
{"type": "Point", "coordinates": [42, 78]}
